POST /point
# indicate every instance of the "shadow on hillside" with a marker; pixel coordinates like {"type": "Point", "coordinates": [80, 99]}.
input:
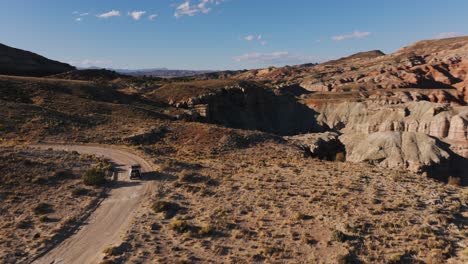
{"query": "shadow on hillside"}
{"type": "Point", "coordinates": [258, 108]}
{"type": "Point", "coordinates": [451, 169]}
{"type": "Point", "coordinates": [157, 176]}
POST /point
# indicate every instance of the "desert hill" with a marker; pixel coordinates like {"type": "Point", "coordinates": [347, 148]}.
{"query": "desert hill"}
{"type": "Point", "coordinates": [256, 166]}
{"type": "Point", "coordinates": [24, 63]}
{"type": "Point", "coordinates": [91, 75]}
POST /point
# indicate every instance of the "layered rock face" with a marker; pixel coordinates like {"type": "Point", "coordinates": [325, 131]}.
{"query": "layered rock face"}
{"type": "Point", "coordinates": [412, 150]}
{"type": "Point", "coordinates": [419, 136]}
{"type": "Point", "coordinates": [24, 63]}
{"type": "Point", "coordinates": [438, 120]}
{"type": "Point", "coordinates": [249, 106]}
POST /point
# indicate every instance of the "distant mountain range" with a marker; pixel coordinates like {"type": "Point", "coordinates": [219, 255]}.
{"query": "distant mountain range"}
{"type": "Point", "coordinates": [156, 72]}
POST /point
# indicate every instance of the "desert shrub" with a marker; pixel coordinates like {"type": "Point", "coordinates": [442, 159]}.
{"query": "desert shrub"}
{"type": "Point", "coordinates": [42, 209]}
{"type": "Point", "coordinates": [62, 174]}
{"type": "Point", "coordinates": [80, 191]}
{"type": "Point", "coordinates": [43, 218]}
{"type": "Point", "coordinates": [340, 156]}
{"type": "Point", "coordinates": [113, 251]}
{"type": "Point", "coordinates": [187, 176]}
{"type": "Point", "coordinates": [70, 220]}
{"type": "Point", "coordinates": [94, 177]}
{"type": "Point", "coordinates": [107, 261]}
{"type": "Point", "coordinates": [344, 259]}
{"type": "Point", "coordinates": [205, 231]}
{"type": "Point", "coordinates": [169, 209]}
{"type": "Point", "coordinates": [179, 226]}
{"type": "Point", "coordinates": [104, 166]}
{"type": "Point", "coordinates": [455, 181]}
{"type": "Point", "coordinates": [299, 216]}
{"type": "Point", "coordinates": [24, 224]}
{"type": "Point", "coordinates": [338, 236]}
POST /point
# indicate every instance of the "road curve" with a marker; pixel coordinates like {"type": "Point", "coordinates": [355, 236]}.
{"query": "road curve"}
{"type": "Point", "coordinates": [111, 219]}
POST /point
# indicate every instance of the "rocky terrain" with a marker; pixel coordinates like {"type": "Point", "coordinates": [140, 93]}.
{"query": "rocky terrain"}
{"type": "Point", "coordinates": [432, 64]}
{"type": "Point", "coordinates": [267, 203]}
{"type": "Point", "coordinates": [24, 63]}
{"type": "Point", "coordinates": [259, 166]}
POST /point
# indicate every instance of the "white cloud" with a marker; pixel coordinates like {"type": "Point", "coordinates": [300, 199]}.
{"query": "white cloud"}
{"type": "Point", "coordinates": [152, 17]}
{"type": "Point", "coordinates": [84, 14]}
{"type": "Point", "coordinates": [258, 38]}
{"type": "Point", "coordinates": [113, 13]}
{"type": "Point", "coordinates": [354, 35]}
{"type": "Point", "coordinates": [78, 19]}
{"type": "Point", "coordinates": [136, 15]}
{"type": "Point", "coordinates": [249, 37]}
{"type": "Point", "coordinates": [274, 58]}
{"type": "Point", "coordinates": [188, 9]}
{"type": "Point", "coordinates": [448, 35]}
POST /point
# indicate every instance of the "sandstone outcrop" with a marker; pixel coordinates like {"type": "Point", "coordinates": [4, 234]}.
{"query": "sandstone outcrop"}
{"type": "Point", "coordinates": [420, 136]}
{"type": "Point", "coordinates": [412, 150]}
{"type": "Point", "coordinates": [437, 120]}
{"type": "Point", "coordinates": [324, 146]}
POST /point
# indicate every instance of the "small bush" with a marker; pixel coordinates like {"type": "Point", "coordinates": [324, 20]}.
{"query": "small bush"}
{"type": "Point", "coordinates": [43, 218]}
{"type": "Point", "coordinates": [395, 258]}
{"type": "Point", "coordinates": [344, 259]}
{"type": "Point", "coordinates": [338, 236]}
{"type": "Point", "coordinates": [80, 191]}
{"type": "Point", "coordinates": [112, 251]}
{"type": "Point", "coordinates": [179, 226]}
{"type": "Point", "coordinates": [70, 220]}
{"type": "Point", "coordinates": [94, 177]}
{"type": "Point", "coordinates": [24, 224]}
{"type": "Point", "coordinates": [62, 174]}
{"type": "Point", "coordinates": [169, 209]}
{"type": "Point", "coordinates": [455, 181]}
{"type": "Point", "coordinates": [206, 231]}
{"type": "Point", "coordinates": [189, 177]}
{"type": "Point", "coordinates": [299, 216]}
{"type": "Point", "coordinates": [340, 156]}
{"type": "Point", "coordinates": [42, 209]}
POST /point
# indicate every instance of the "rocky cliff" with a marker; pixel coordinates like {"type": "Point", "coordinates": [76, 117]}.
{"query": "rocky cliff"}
{"type": "Point", "coordinates": [244, 105]}
{"type": "Point", "coordinates": [24, 63]}
{"type": "Point", "coordinates": [419, 136]}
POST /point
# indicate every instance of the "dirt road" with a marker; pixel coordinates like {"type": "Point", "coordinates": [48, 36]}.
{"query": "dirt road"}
{"type": "Point", "coordinates": [111, 219]}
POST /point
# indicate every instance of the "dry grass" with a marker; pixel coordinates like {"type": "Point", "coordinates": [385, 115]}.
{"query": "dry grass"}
{"type": "Point", "coordinates": [40, 192]}
{"type": "Point", "coordinates": [309, 211]}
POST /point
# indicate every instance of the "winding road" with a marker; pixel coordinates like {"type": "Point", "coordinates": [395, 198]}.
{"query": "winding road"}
{"type": "Point", "coordinates": [111, 219]}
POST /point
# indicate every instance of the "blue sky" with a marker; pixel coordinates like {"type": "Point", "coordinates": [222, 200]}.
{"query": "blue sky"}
{"type": "Point", "coordinates": [221, 34]}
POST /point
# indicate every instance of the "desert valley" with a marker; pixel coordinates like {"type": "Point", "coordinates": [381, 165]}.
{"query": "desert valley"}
{"type": "Point", "coordinates": [299, 156]}
{"type": "Point", "coordinates": [357, 160]}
